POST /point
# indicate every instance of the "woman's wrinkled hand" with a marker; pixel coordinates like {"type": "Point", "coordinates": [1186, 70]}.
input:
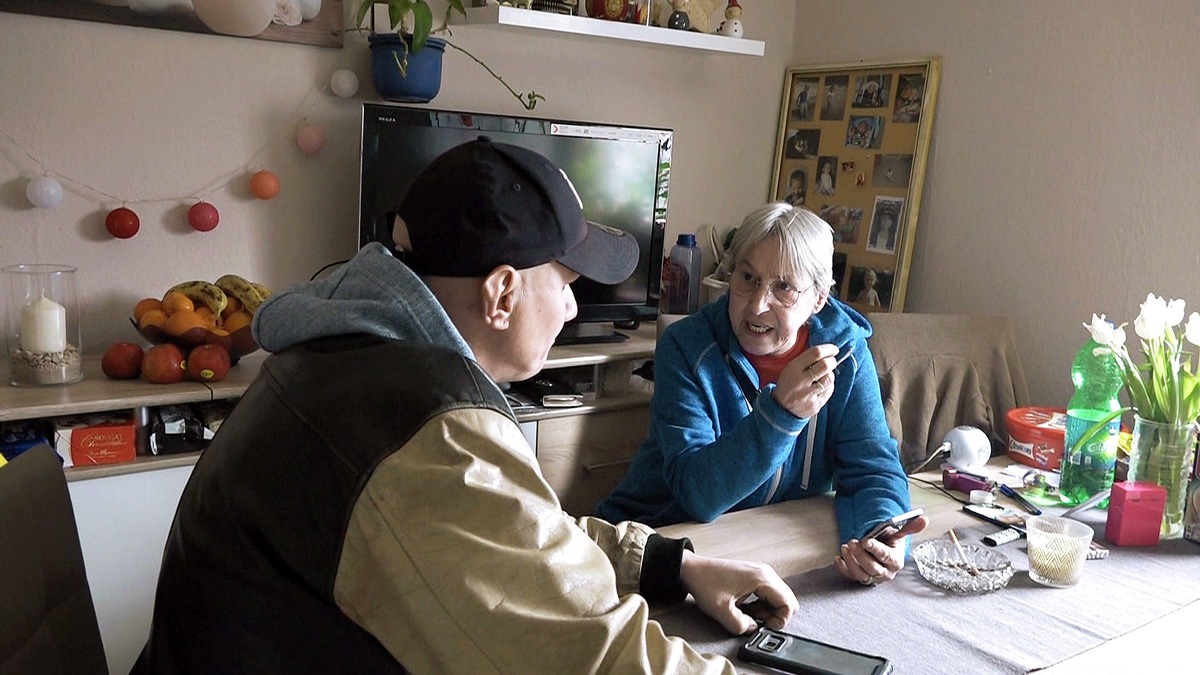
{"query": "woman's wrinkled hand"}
{"type": "Point", "coordinates": [806, 383]}
{"type": "Point", "coordinates": [875, 561]}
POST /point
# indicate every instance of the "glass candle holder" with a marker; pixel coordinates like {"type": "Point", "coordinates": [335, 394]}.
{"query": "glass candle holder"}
{"type": "Point", "coordinates": [42, 306]}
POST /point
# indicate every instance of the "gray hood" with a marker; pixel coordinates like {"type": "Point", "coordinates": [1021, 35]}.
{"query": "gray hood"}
{"type": "Point", "coordinates": [374, 293]}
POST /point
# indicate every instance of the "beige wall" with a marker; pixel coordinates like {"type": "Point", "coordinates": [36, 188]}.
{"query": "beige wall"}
{"type": "Point", "coordinates": [148, 114]}
{"type": "Point", "coordinates": [1062, 178]}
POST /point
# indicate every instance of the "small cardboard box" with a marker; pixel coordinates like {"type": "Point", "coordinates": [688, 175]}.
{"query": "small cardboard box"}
{"type": "Point", "coordinates": [89, 440]}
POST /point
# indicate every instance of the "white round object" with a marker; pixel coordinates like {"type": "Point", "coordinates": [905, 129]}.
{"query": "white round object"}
{"type": "Point", "coordinates": [309, 9]}
{"type": "Point", "coordinates": [969, 448]}
{"type": "Point", "coordinates": [245, 18]}
{"type": "Point", "coordinates": [984, 497]}
{"type": "Point", "coordinates": [44, 192]}
{"type": "Point", "coordinates": [310, 138]}
{"type": "Point", "coordinates": [344, 83]}
{"type": "Point", "coordinates": [161, 6]}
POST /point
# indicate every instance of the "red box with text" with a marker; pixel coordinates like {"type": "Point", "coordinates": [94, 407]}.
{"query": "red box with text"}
{"type": "Point", "coordinates": [95, 439]}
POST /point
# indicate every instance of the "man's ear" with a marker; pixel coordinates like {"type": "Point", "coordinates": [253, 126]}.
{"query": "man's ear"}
{"type": "Point", "coordinates": [400, 236]}
{"type": "Point", "coordinates": [500, 293]}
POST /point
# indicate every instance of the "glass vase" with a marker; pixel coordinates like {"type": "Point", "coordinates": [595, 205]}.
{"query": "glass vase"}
{"type": "Point", "coordinates": [1162, 453]}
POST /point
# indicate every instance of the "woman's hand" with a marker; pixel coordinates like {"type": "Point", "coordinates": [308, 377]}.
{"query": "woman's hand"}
{"type": "Point", "coordinates": [876, 560]}
{"type": "Point", "coordinates": [720, 587]}
{"type": "Point", "coordinates": [807, 382]}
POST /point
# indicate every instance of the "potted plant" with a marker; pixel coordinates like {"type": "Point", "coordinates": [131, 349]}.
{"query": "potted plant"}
{"type": "Point", "coordinates": [406, 64]}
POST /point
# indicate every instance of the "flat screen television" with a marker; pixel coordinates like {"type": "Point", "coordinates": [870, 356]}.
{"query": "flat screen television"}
{"type": "Point", "coordinates": [621, 174]}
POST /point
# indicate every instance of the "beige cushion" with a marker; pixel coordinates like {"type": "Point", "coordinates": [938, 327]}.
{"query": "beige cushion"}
{"type": "Point", "coordinates": [937, 371]}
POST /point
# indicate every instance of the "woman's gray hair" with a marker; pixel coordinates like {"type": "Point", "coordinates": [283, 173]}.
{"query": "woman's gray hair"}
{"type": "Point", "coordinates": [805, 242]}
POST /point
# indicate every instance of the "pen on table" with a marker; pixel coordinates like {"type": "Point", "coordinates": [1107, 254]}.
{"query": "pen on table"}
{"type": "Point", "coordinates": [1016, 497]}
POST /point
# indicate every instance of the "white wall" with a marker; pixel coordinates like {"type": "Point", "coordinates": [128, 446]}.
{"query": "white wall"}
{"type": "Point", "coordinates": [1062, 178]}
{"type": "Point", "coordinates": [144, 114]}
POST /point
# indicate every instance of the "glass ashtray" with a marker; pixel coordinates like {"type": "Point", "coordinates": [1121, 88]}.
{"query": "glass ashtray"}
{"type": "Point", "coordinates": [940, 564]}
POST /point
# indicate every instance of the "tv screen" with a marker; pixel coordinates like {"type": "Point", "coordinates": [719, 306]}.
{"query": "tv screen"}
{"type": "Point", "coordinates": [621, 174]}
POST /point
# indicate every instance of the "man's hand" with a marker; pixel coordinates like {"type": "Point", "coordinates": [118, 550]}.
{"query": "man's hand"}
{"type": "Point", "coordinates": [720, 588]}
{"type": "Point", "coordinates": [876, 560]}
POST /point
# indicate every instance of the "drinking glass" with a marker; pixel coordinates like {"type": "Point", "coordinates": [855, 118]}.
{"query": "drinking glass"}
{"type": "Point", "coordinates": [1057, 549]}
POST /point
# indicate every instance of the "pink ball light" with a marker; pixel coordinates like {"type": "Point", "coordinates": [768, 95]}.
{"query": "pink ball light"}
{"type": "Point", "coordinates": [310, 138]}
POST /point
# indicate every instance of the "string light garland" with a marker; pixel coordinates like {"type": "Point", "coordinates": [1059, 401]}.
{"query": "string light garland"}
{"type": "Point", "coordinates": [46, 191]}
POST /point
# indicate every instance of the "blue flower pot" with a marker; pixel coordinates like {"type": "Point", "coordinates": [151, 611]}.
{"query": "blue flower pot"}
{"type": "Point", "coordinates": [424, 75]}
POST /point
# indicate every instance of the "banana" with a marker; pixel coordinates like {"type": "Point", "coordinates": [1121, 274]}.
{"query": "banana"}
{"type": "Point", "coordinates": [209, 294]}
{"type": "Point", "coordinates": [262, 290]}
{"type": "Point", "coordinates": [243, 290]}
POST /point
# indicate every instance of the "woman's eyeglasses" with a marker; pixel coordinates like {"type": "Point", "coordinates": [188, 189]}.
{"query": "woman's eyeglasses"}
{"type": "Point", "coordinates": [744, 283]}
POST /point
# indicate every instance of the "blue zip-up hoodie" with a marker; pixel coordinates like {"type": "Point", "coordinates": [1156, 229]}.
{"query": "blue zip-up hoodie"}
{"type": "Point", "coordinates": [718, 442]}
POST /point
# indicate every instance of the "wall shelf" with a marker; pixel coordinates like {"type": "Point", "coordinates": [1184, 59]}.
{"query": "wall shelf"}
{"type": "Point", "coordinates": [531, 20]}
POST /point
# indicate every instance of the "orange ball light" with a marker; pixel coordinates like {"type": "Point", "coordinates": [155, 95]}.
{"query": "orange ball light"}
{"type": "Point", "coordinates": [264, 185]}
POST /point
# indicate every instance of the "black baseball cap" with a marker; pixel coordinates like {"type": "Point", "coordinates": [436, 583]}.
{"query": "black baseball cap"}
{"type": "Point", "coordinates": [483, 204]}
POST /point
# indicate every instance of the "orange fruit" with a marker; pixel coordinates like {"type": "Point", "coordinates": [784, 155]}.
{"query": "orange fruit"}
{"type": "Point", "coordinates": [237, 320]}
{"type": "Point", "coordinates": [177, 302]}
{"type": "Point", "coordinates": [220, 332]}
{"type": "Point", "coordinates": [210, 319]}
{"type": "Point", "coordinates": [154, 317]}
{"type": "Point", "coordinates": [145, 305]}
{"type": "Point", "coordinates": [182, 321]}
{"type": "Point", "coordinates": [234, 305]}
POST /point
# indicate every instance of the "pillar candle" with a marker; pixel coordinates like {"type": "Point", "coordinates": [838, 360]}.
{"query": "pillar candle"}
{"type": "Point", "coordinates": [44, 326]}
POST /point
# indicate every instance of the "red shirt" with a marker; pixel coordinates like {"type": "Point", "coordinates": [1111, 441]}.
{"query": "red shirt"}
{"type": "Point", "coordinates": [770, 366]}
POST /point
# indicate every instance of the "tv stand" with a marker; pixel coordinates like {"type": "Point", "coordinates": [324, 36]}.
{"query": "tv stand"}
{"type": "Point", "coordinates": [588, 334]}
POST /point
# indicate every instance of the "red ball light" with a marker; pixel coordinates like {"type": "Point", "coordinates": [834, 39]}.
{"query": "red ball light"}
{"type": "Point", "coordinates": [122, 223]}
{"type": "Point", "coordinates": [203, 216]}
{"type": "Point", "coordinates": [264, 185]}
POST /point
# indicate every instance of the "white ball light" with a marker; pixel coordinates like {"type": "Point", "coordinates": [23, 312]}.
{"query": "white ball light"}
{"type": "Point", "coordinates": [310, 138]}
{"type": "Point", "coordinates": [309, 9]}
{"type": "Point", "coordinates": [344, 83]}
{"type": "Point", "coordinates": [245, 18]}
{"type": "Point", "coordinates": [44, 192]}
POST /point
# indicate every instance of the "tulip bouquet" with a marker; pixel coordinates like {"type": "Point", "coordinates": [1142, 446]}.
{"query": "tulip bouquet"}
{"type": "Point", "coordinates": [1165, 394]}
{"type": "Point", "coordinates": [1164, 388]}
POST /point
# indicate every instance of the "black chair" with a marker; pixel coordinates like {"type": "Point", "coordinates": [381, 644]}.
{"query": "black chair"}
{"type": "Point", "coordinates": [47, 619]}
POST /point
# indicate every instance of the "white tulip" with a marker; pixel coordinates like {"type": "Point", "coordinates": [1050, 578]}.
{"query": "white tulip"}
{"type": "Point", "coordinates": [1192, 331]}
{"type": "Point", "coordinates": [1151, 321]}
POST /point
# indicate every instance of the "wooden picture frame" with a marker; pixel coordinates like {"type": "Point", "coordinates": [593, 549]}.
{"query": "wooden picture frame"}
{"type": "Point", "coordinates": [852, 147]}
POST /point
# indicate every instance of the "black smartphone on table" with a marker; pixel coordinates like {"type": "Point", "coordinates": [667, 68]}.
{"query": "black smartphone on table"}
{"type": "Point", "coordinates": [794, 654]}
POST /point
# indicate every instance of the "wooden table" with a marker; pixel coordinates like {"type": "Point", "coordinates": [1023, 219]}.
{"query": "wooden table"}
{"type": "Point", "coordinates": [798, 536]}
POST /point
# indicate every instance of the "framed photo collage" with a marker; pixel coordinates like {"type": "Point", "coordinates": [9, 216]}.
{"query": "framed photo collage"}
{"type": "Point", "coordinates": [853, 143]}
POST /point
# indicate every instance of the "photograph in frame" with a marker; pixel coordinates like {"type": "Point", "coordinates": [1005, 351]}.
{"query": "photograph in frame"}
{"type": "Point", "coordinates": [871, 124]}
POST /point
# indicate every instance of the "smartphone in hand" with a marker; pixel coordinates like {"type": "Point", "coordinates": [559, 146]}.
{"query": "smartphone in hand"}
{"type": "Point", "coordinates": [896, 523]}
{"type": "Point", "coordinates": [794, 654]}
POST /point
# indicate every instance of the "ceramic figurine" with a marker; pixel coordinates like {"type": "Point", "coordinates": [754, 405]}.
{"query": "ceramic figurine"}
{"type": "Point", "coordinates": [679, 19]}
{"type": "Point", "coordinates": [732, 25]}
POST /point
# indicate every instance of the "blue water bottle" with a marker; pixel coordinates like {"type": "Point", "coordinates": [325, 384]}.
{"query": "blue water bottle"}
{"type": "Point", "coordinates": [1090, 468]}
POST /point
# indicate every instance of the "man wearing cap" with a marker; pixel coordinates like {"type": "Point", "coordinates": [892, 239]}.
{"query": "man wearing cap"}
{"type": "Point", "coordinates": [371, 506]}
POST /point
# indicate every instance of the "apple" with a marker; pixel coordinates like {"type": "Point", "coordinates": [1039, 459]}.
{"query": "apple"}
{"type": "Point", "coordinates": [208, 363]}
{"type": "Point", "coordinates": [163, 364]}
{"type": "Point", "coordinates": [122, 361]}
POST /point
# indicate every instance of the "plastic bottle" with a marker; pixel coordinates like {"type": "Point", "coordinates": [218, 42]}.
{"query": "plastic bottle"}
{"type": "Point", "coordinates": [679, 292]}
{"type": "Point", "coordinates": [1089, 469]}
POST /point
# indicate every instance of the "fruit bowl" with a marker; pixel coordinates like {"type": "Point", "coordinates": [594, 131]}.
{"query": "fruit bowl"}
{"type": "Point", "coordinates": [238, 343]}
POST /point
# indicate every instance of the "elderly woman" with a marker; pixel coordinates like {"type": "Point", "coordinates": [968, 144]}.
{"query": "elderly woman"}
{"type": "Point", "coordinates": [751, 406]}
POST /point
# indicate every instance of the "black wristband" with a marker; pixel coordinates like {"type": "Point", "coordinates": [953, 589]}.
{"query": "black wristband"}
{"type": "Point", "coordinates": [661, 563]}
